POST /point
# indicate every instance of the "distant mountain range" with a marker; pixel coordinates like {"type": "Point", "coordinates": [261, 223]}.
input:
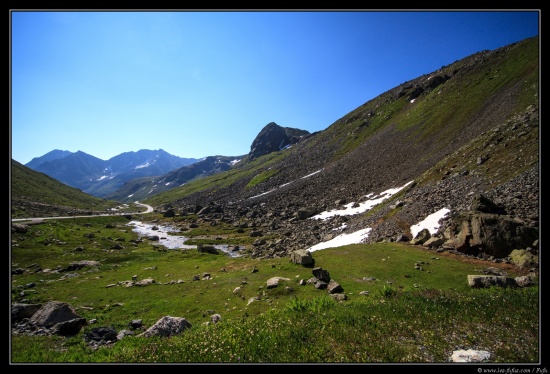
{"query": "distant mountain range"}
{"type": "Point", "coordinates": [100, 178]}
{"type": "Point", "coordinates": [133, 176]}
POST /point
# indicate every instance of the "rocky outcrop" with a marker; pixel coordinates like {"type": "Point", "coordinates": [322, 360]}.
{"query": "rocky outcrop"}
{"type": "Point", "coordinates": [485, 281]}
{"type": "Point", "coordinates": [491, 234]}
{"type": "Point", "coordinates": [273, 138]}
{"type": "Point", "coordinates": [52, 318]}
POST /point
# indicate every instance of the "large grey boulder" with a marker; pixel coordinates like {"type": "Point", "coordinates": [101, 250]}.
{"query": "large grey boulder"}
{"type": "Point", "coordinates": [321, 274]}
{"type": "Point", "coordinates": [492, 234]}
{"type": "Point", "coordinates": [334, 287]}
{"type": "Point", "coordinates": [302, 257]}
{"type": "Point", "coordinates": [54, 312]}
{"type": "Point", "coordinates": [54, 317]}
{"type": "Point", "coordinates": [484, 281]}
{"type": "Point", "coordinates": [167, 326]}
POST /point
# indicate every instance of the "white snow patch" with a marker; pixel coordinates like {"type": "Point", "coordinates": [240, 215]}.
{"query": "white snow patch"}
{"type": "Point", "coordinates": [282, 185]}
{"type": "Point", "coordinates": [431, 222]}
{"type": "Point", "coordinates": [363, 207]}
{"type": "Point", "coordinates": [309, 175]}
{"type": "Point", "coordinates": [343, 239]}
{"type": "Point", "coordinates": [145, 164]}
{"type": "Point", "coordinates": [265, 193]}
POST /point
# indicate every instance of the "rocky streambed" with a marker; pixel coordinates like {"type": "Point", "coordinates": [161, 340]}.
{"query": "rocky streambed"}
{"type": "Point", "coordinates": [169, 237]}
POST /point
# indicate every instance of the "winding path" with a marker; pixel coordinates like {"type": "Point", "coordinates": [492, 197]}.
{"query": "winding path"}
{"type": "Point", "coordinates": [39, 219]}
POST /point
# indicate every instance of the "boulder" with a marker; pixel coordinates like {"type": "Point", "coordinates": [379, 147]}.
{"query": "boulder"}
{"type": "Point", "coordinates": [302, 257]}
{"type": "Point", "coordinates": [492, 234]}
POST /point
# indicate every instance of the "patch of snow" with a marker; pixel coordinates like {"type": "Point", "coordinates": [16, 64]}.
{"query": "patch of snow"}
{"type": "Point", "coordinates": [362, 207]}
{"type": "Point", "coordinates": [265, 193]}
{"type": "Point", "coordinates": [309, 175]}
{"type": "Point", "coordinates": [342, 239]}
{"type": "Point", "coordinates": [145, 164]}
{"type": "Point", "coordinates": [431, 222]}
{"type": "Point", "coordinates": [285, 184]}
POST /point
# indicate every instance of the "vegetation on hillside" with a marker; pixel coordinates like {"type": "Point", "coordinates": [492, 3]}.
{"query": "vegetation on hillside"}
{"type": "Point", "coordinates": [407, 314]}
{"type": "Point", "coordinates": [34, 194]}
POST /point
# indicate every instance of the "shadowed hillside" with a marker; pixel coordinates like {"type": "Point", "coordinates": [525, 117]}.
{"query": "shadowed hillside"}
{"type": "Point", "coordinates": [34, 194]}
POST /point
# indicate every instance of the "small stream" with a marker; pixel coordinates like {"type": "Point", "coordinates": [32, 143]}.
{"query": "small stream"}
{"type": "Point", "coordinates": [170, 241]}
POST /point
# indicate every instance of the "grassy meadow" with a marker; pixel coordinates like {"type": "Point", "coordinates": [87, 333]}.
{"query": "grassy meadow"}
{"type": "Point", "coordinates": [418, 307]}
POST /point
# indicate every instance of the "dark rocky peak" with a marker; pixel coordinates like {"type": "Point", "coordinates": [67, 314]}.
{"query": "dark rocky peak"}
{"type": "Point", "coordinates": [273, 138]}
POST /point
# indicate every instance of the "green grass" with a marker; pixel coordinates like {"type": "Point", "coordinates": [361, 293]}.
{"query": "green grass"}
{"type": "Point", "coordinates": [262, 177]}
{"type": "Point", "coordinates": [28, 186]}
{"type": "Point", "coordinates": [442, 112]}
{"type": "Point", "coordinates": [409, 315]}
{"type": "Point", "coordinates": [245, 170]}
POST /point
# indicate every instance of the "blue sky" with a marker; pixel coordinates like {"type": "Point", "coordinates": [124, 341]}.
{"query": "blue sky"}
{"type": "Point", "coordinates": [199, 84]}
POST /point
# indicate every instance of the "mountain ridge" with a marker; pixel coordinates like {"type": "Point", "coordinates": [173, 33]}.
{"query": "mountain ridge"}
{"type": "Point", "coordinates": [99, 177]}
{"type": "Point", "coordinates": [418, 131]}
{"type": "Point", "coordinates": [133, 175]}
{"type": "Point", "coordinates": [465, 132]}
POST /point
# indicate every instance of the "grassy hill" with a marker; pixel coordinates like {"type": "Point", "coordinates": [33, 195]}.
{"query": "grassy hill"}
{"type": "Point", "coordinates": [34, 194]}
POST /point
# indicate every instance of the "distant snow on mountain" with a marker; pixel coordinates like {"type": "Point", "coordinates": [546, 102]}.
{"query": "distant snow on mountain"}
{"type": "Point", "coordinates": [145, 164]}
{"type": "Point", "coordinates": [99, 177]}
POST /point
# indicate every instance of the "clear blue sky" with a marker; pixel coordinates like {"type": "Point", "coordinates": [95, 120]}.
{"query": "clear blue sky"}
{"type": "Point", "coordinates": [199, 84]}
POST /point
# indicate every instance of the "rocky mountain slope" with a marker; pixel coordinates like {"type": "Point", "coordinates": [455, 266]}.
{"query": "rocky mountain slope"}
{"type": "Point", "coordinates": [464, 138]}
{"type": "Point", "coordinates": [465, 133]}
{"type": "Point", "coordinates": [142, 188]}
{"type": "Point", "coordinates": [271, 138]}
